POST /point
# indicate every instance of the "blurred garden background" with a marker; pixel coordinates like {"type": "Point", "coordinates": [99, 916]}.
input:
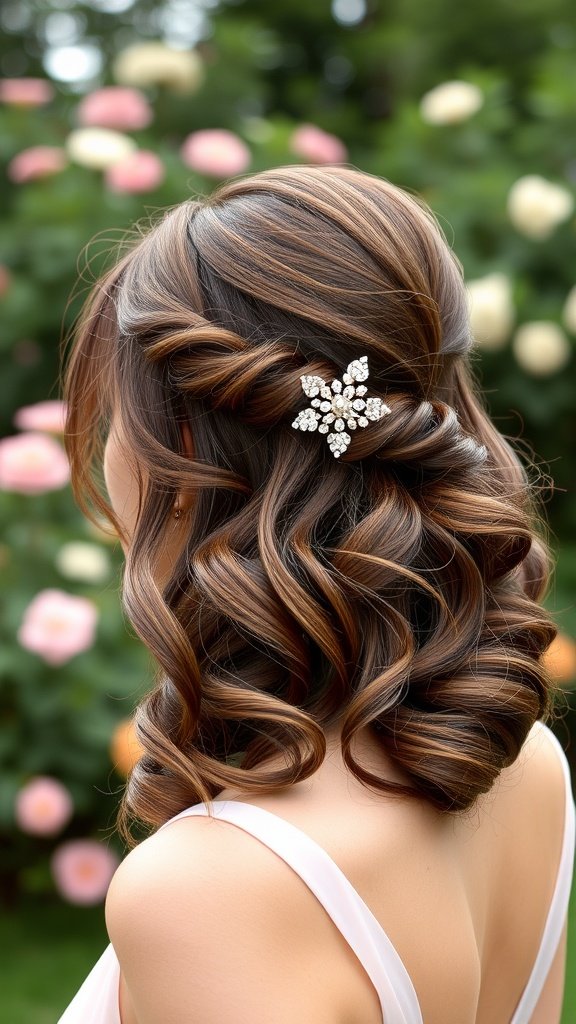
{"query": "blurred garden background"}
{"type": "Point", "coordinates": [111, 110]}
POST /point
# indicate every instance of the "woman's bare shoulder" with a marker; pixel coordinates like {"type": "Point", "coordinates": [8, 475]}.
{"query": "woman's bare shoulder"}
{"type": "Point", "coordinates": [198, 895]}
{"type": "Point", "coordinates": [190, 854]}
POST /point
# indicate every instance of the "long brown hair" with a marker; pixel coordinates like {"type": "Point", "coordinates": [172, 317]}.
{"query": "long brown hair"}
{"type": "Point", "coordinates": [396, 587]}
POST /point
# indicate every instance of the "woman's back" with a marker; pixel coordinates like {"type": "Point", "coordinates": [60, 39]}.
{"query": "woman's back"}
{"type": "Point", "coordinates": [464, 901]}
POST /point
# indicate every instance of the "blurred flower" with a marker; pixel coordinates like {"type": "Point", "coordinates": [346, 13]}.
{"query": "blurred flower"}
{"type": "Point", "coordinates": [559, 658]}
{"type": "Point", "coordinates": [43, 806]}
{"type": "Point", "coordinates": [451, 102]}
{"type": "Point", "coordinates": [314, 144]}
{"type": "Point", "coordinates": [125, 747]}
{"type": "Point", "coordinates": [115, 106]}
{"type": "Point", "coordinates": [36, 162]}
{"type": "Point", "coordinates": [57, 625]}
{"type": "Point", "coordinates": [541, 347]}
{"type": "Point", "coordinates": [32, 463]}
{"type": "Point", "coordinates": [216, 152]}
{"type": "Point", "coordinates": [537, 206]}
{"type": "Point", "coordinates": [155, 63]}
{"type": "Point", "coordinates": [491, 310]}
{"type": "Point", "coordinates": [5, 279]}
{"type": "Point", "coordinates": [81, 560]}
{"type": "Point", "coordinates": [26, 92]}
{"type": "Point", "coordinates": [142, 171]}
{"type": "Point", "coordinates": [49, 416]}
{"type": "Point", "coordinates": [82, 870]}
{"type": "Point", "coordinates": [569, 311]}
{"type": "Point", "coordinates": [98, 148]}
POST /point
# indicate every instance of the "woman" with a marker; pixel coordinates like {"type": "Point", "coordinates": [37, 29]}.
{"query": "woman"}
{"type": "Point", "coordinates": [336, 561]}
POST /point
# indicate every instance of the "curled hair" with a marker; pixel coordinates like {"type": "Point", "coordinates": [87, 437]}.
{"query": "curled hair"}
{"type": "Point", "coordinates": [397, 587]}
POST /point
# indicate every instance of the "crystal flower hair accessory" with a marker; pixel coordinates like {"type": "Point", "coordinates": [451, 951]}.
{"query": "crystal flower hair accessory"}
{"type": "Point", "coordinates": [342, 404]}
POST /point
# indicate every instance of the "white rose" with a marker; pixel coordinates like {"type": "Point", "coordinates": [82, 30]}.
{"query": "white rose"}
{"type": "Point", "coordinates": [569, 311]}
{"type": "Point", "coordinates": [491, 310]}
{"type": "Point", "coordinates": [98, 148]}
{"type": "Point", "coordinates": [536, 206]}
{"type": "Point", "coordinates": [451, 102]}
{"type": "Point", "coordinates": [541, 347]}
{"type": "Point", "coordinates": [80, 560]}
{"type": "Point", "coordinates": [156, 63]}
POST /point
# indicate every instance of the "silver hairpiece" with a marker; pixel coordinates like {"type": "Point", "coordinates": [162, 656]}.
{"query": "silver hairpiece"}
{"type": "Point", "coordinates": [341, 406]}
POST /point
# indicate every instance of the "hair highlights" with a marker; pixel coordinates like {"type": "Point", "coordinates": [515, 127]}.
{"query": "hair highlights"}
{"type": "Point", "coordinates": [396, 587]}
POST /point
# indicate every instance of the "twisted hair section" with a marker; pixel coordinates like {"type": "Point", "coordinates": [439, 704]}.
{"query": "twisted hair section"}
{"type": "Point", "coordinates": [397, 589]}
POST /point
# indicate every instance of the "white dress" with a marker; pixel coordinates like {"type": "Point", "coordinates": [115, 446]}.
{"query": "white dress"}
{"type": "Point", "coordinates": [96, 1002]}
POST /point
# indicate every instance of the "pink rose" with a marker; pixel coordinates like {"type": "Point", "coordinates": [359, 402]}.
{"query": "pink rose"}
{"type": "Point", "coordinates": [32, 463]}
{"type": "Point", "coordinates": [314, 144]}
{"type": "Point", "coordinates": [48, 416]}
{"type": "Point", "coordinates": [36, 162]}
{"type": "Point", "coordinates": [115, 106]}
{"type": "Point", "coordinates": [142, 171]}
{"type": "Point", "coordinates": [215, 152]}
{"type": "Point", "coordinates": [43, 806]}
{"type": "Point", "coordinates": [57, 625]}
{"type": "Point", "coordinates": [82, 870]}
{"type": "Point", "coordinates": [26, 92]}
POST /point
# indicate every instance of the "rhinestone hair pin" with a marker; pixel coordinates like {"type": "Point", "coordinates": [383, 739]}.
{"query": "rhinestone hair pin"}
{"type": "Point", "coordinates": [341, 404]}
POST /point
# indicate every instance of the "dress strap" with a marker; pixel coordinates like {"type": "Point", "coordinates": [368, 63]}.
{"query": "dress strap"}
{"type": "Point", "coordinates": [560, 899]}
{"type": "Point", "coordinates": [351, 915]}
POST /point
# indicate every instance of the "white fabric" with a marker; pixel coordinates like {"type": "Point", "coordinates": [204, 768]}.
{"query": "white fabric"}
{"type": "Point", "coordinates": [96, 1002]}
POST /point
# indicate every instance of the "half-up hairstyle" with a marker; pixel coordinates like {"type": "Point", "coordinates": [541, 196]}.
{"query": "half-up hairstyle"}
{"type": "Point", "coordinates": [396, 587]}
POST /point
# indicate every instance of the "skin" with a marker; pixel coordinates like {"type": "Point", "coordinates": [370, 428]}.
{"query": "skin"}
{"type": "Point", "coordinates": [122, 487]}
{"type": "Point", "coordinates": [120, 481]}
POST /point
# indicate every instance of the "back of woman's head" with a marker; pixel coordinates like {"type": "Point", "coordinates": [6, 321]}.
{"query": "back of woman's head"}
{"type": "Point", "coordinates": [395, 586]}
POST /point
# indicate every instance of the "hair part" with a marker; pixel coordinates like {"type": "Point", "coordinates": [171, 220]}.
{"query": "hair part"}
{"type": "Point", "coordinates": [395, 588]}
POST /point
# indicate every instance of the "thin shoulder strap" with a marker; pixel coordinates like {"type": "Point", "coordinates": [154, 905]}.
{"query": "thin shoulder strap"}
{"type": "Point", "coordinates": [560, 899]}
{"type": "Point", "coordinates": [351, 915]}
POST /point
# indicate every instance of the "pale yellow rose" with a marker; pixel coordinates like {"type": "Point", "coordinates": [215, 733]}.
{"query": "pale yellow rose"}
{"type": "Point", "coordinates": [451, 102]}
{"type": "Point", "coordinates": [536, 206]}
{"type": "Point", "coordinates": [491, 310]}
{"type": "Point", "coordinates": [156, 63]}
{"type": "Point", "coordinates": [98, 148]}
{"type": "Point", "coordinates": [541, 348]}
